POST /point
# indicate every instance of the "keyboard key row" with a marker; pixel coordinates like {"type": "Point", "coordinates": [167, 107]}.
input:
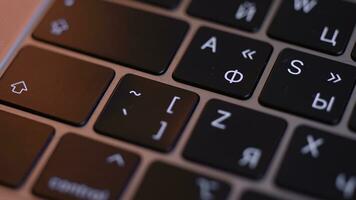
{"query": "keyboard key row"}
{"type": "Point", "coordinates": [300, 83]}
{"type": "Point", "coordinates": [107, 173]}
{"type": "Point", "coordinates": [152, 48]}
{"type": "Point", "coordinates": [321, 25]}
{"type": "Point", "coordinates": [317, 157]}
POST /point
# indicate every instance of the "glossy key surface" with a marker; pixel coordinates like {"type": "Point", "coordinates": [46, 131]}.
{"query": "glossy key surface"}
{"type": "Point", "coordinates": [235, 139]}
{"type": "Point", "coordinates": [321, 25]}
{"type": "Point", "coordinates": [309, 86]}
{"type": "Point", "coordinates": [114, 32]}
{"type": "Point", "coordinates": [242, 14]}
{"type": "Point", "coordinates": [82, 168]}
{"type": "Point", "coordinates": [147, 112]}
{"type": "Point", "coordinates": [223, 62]}
{"type": "Point", "coordinates": [166, 181]}
{"type": "Point", "coordinates": [54, 85]}
{"type": "Point", "coordinates": [22, 141]}
{"type": "Point", "coordinates": [319, 163]}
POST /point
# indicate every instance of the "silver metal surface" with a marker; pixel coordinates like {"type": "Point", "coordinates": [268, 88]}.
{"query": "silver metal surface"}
{"type": "Point", "coordinates": [239, 184]}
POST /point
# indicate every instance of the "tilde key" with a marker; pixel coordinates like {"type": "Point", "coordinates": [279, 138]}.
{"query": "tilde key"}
{"type": "Point", "coordinates": [146, 112]}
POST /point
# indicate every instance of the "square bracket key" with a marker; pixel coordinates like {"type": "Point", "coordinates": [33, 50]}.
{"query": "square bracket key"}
{"type": "Point", "coordinates": [146, 112]}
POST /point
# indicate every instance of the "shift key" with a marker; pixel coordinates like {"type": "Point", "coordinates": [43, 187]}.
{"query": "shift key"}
{"type": "Point", "coordinates": [54, 85]}
{"type": "Point", "coordinates": [113, 32]}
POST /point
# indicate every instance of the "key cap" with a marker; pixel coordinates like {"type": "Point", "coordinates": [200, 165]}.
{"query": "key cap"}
{"type": "Point", "coordinates": [235, 139]}
{"type": "Point", "coordinates": [146, 112]}
{"type": "Point", "coordinates": [157, 184]}
{"type": "Point", "coordinates": [54, 85]}
{"type": "Point", "coordinates": [22, 142]}
{"type": "Point", "coordinates": [321, 25]}
{"type": "Point", "coordinates": [117, 33]}
{"type": "Point", "coordinates": [243, 14]}
{"type": "Point", "coordinates": [251, 195]}
{"type": "Point", "coordinates": [320, 164]}
{"type": "Point", "coordinates": [309, 86]}
{"type": "Point", "coordinates": [353, 55]}
{"type": "Point", "coordinates": [352, 123]}
{"type": "Point", "coordinates": [224, 63]}
{"type": "Point", "coordinates": [170, 4]}
{"type": "Point", "coordinates": [81, 168]}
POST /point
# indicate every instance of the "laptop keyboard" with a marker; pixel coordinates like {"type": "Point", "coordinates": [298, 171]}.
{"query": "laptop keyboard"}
{"type": "Point", "coordinates": [183, 106]}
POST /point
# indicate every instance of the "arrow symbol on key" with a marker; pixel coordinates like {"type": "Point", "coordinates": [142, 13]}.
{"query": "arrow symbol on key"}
{"type": "Point", "coordinates": [117, 159]}
{"type": "Point", "coordinates": [248, 54]}
{"type": "Point", "coordinates": [334, 78]}
{"type": "Point", "coordinates": [19, 87]}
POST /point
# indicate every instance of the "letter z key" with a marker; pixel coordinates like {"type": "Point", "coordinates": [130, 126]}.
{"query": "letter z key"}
{"type": "Point", "coordinates": [235, 139]}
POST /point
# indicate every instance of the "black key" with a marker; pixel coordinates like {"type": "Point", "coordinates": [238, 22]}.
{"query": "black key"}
{"type": "Point", "coordinates": [164, 181]}
{"type": "Point", "coordinates": [22, 142]}
{"type": "Point", "coordinates": [54, 85]}
{"type": "Point", "coordinates": [242, 14]}
{"type": "Point", "coordinates": [250, 195]}
{"type": "Point", "coordinates": [114, 32]}
{"type": "Point", "coordinates": [353, 55]}
{"type": "Point", "coordinates": [235, 139]}
{"type": "Point", "coordinates": [352, 122]}
{"type": "Point", "coordinates": [81, 168]}
{"type": "Point", "coordinates": [322, 25]}
{"type": "Point", "coordinates": [146, 112]}
{"type": "Point", "coordinates": [223, 62]}
{"type": "Point", "coordinates": [310, 86]}
{"type": "Point", "coordinates": [320, 164]}
{"type": "Point", "coordinates": [170, 4]}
